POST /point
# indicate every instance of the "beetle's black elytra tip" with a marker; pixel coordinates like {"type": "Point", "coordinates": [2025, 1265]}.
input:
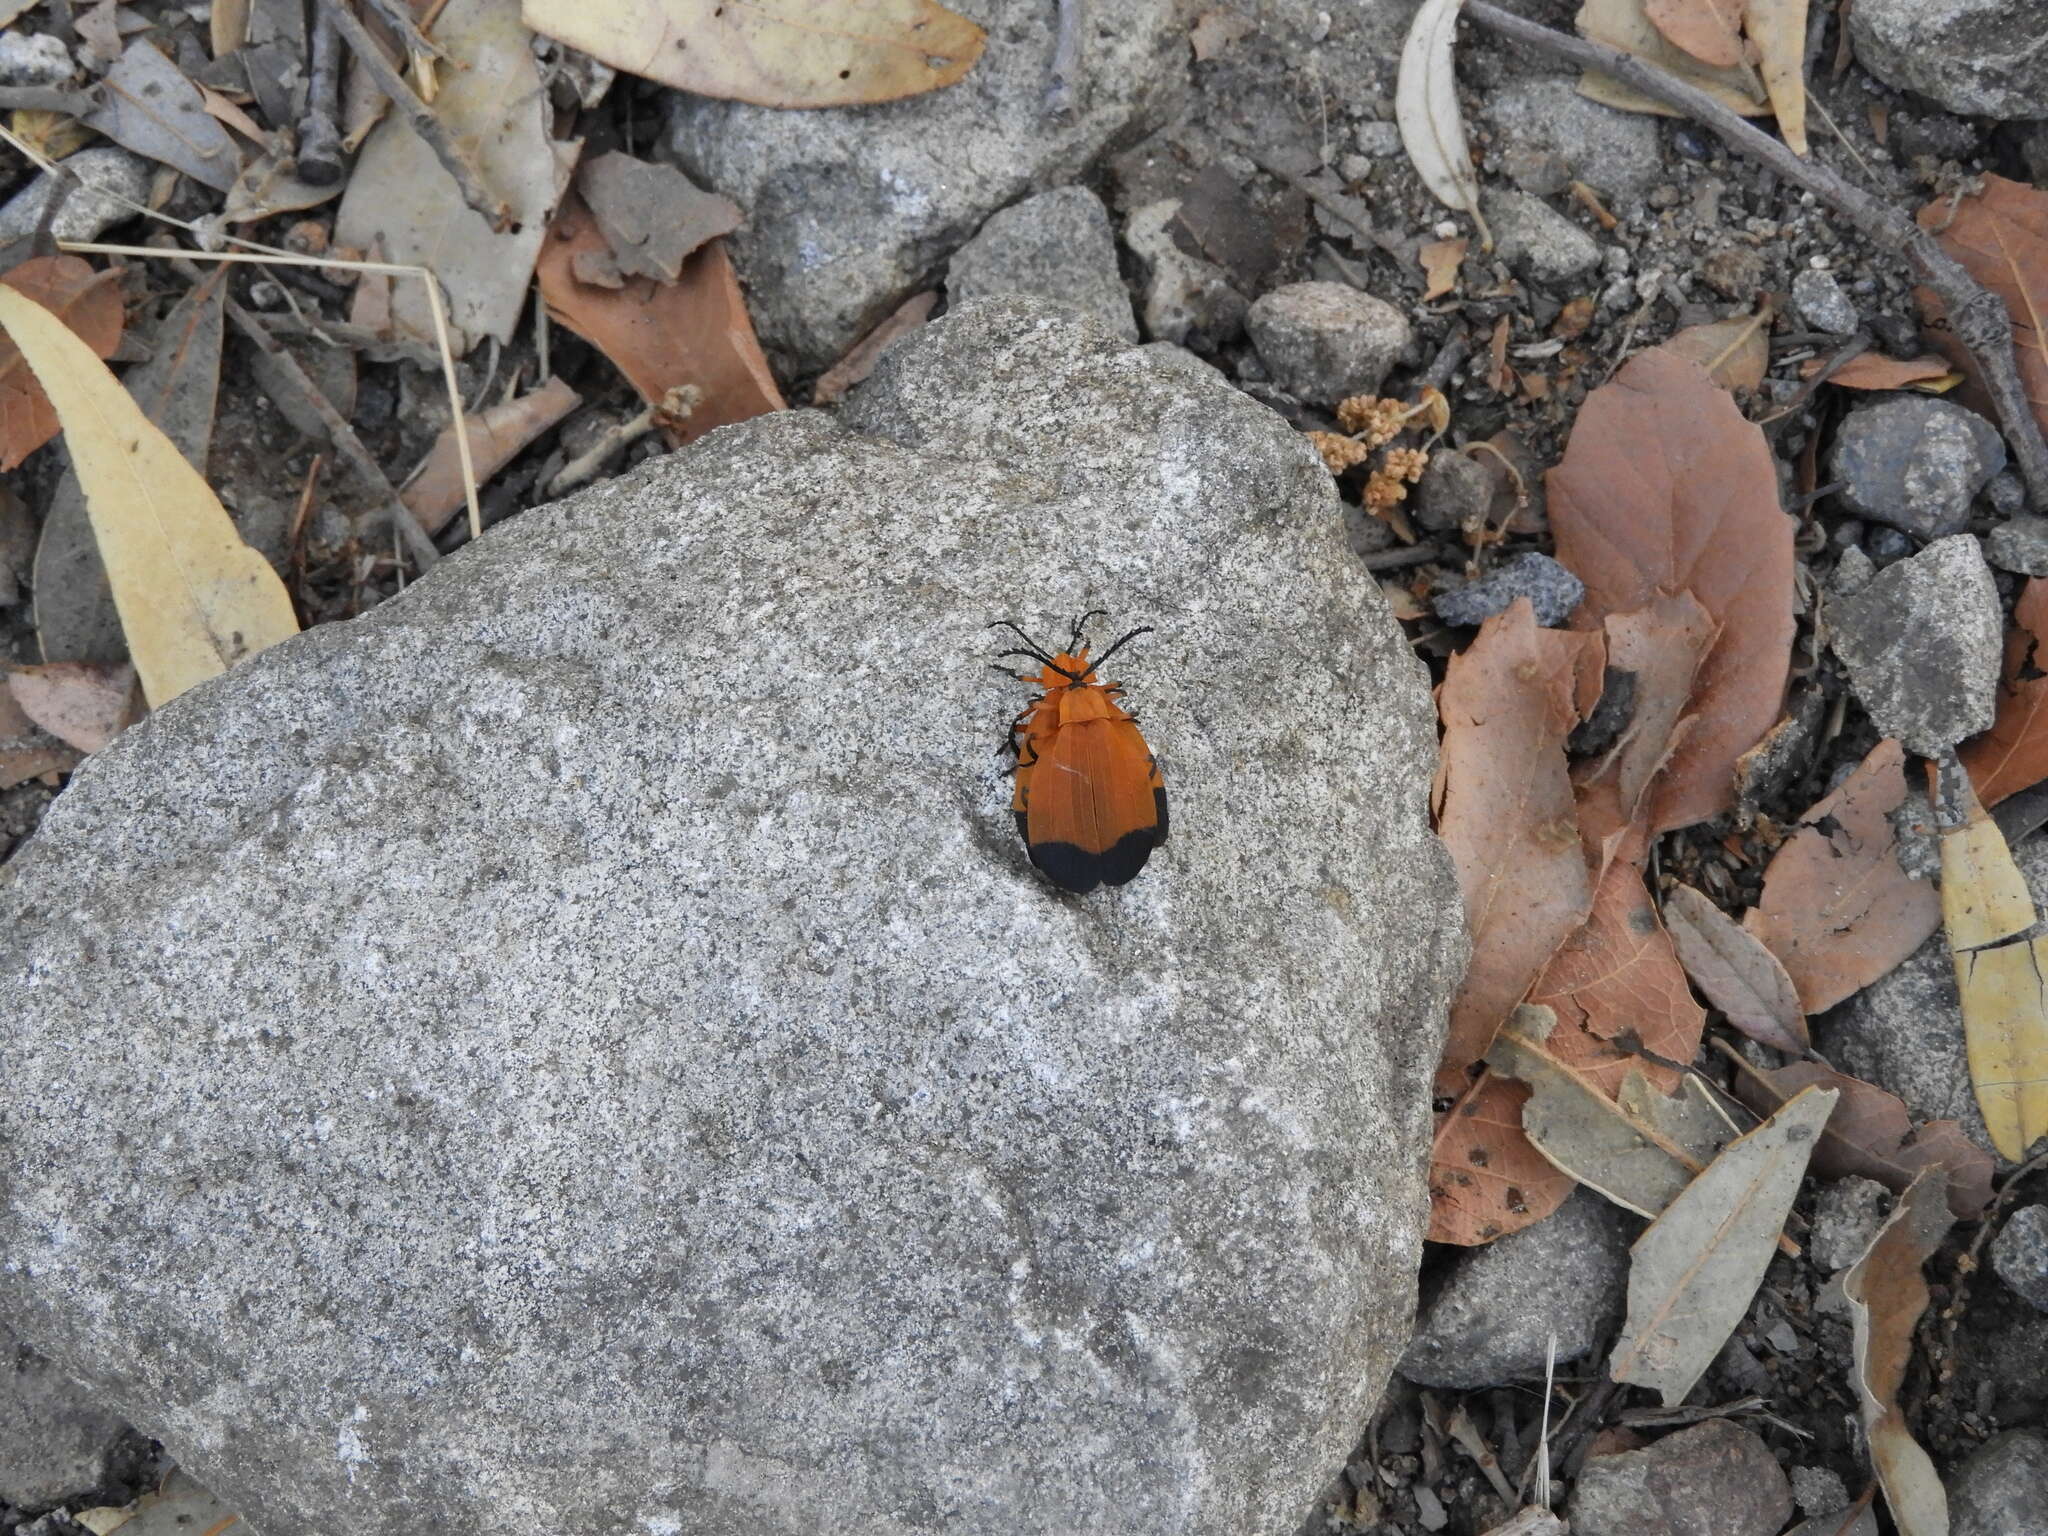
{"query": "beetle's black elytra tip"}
{"type": "Point", "coordinates": [1077, 870]}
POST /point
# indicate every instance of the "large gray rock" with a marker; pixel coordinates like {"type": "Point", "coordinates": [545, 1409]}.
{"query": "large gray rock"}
{"type": "Point", "coordinates": [2002, 1490]}
{"type": "Point", "coordinates": [1915, 463]}
{"type": "Point", "coordinates": [1491, 1321]}
{"type": "Point", "coordinates": [1714, 1479]}
{"type": "Point", "coordinates": [1987, 57]}
{"type": "Point", "coordinates": [58, 1441]}
{"type": "Point", "coordinates": [582, 1049]}
{"type": "Point", "coordinates": [850, 207]}
{"type": "Point", "coordinates": [1056, 246]}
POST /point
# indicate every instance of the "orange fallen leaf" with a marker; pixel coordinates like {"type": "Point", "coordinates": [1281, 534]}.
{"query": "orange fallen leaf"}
{"type": "Point", "coordinates": [694, 331]}
{"type": "Point", "coordinates": [1486, 1178]}
{"type": "Point", "coordinates": [1504, 809]}
{"type": "Point", "coordinates": [89, 303]}
{"type": "Point", "coordinates": [1836, 908]}
{"type": "Point", "coordinates": [1661, 647]}
{"type": "Point", "coordinates": [1664, 488]}
{"type": "Point", "coordinates": [1734, 352]}
{"type": "Point", "coordinates": [1618, 990]}
{"type": "Point", "coordinates": [496, 436]}
{"type": "Point", "coordinates": [2000, 235]}
{"type": "Point", "coordinates": [2013, 754]}
{"type": "Point", "coordinates": [26, 750]}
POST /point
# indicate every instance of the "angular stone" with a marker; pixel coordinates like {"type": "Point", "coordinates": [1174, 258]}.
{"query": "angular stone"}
{"type": "Point", "coordinates": [2019, 545]}
{"type": "Point", "coordinates": [1490, 1323]}
{"type": "Point", "coordinates": [2002, 1490]}
{"type": "Point", "coordinates": [1821, 302]}
{"type": "Point", "coordinates": [1553, 591]}
{"type": "Point", "coordinates": [1922, 641]}
{"type": "Point", "coordinates": [1324, 342]}
{"type": "Point", "coordinates": [1979, 57]}
{"type": "Point", "coordinates": [1915, 463]}
{"type": "Point", "coordinates": [849, 208]}
{"type": "Point", "coordinates": [1188, 300]}
{"type": "Point", "coordinates": [1536, 240]}
{"type": "Point", "coordinates": [1057, 247]}
{"type": "Point", "coordinates": [1714, 1479]}
{"type": "Point", "coordinates": [2020, 1254]}
{"type": "Point", "coordinates": [582, 1048]}
{"type": "Point", "coordinates": [1455, 489]}
{"type": "Point", "coordinates": [112, 183]}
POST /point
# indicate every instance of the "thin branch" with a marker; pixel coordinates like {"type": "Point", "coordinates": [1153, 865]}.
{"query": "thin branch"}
{"type": "Point", "coordinates": [320, 162]}
{"type": "Point", "coordinates": [418, 115]}
{"type": "Point", "coordinates": [1977, 316]}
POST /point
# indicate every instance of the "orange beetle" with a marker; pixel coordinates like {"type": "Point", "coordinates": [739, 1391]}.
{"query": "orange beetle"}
{"type": "Point", "coordinates": [1089, 801]}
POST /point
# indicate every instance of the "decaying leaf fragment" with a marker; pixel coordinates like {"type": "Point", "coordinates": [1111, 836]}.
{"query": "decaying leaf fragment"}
{"type": "Point", "coordinates": [84, 704]}
{"type": "Point", "coordinates": [1504, 809]}
{"type": "Point", "coordinates": [1887, 1293]}
{"type": "Point", "coordinates": [1639, 1148]}
{"type": "Point", "coordinates": [1836, 909]}
{"type": "Point", "coordinates": [1871, 1136]}
{"type": "Point", "coordinates": [1485, 1178]}
{"type": "Point", "coordinates": [2001, 974]}
{"type": "Point", "coordinates": [193, 598]}
{"type": "Point", "coordinates": [2013, 754]}
{"type": "Point", "coordinates": [1693, 1273]}
{"type": "Point", "coordinates": [1736, 972]}
{"type": "Point", "coordinates": [774, 53]}
{"type": "Point", "coordinates": [1426, 111]}
{"type": "Point", "coordinates": [496, 436]}
{"type": "Point", "coordinates": [1734, 352]}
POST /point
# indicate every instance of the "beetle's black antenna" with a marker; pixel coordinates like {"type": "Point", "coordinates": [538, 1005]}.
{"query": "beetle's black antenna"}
{"type": "Point", "coordinates": [1079, 624]}
{"type": "Point", "coordinates": [1035, 651]}
{"type": "Point", "coordinates": [1145, 629]}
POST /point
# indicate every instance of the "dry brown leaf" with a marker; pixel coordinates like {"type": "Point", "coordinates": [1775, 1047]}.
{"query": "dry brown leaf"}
{"type": "Point", "coordinates": [1440, 262]}
{"type": "Point", "coordinates": [1870, 1135]}
{"type": "Point", "coordinates": [1639, 1150]}
{"type": "Point", "coordinates": [26, 750]}
{"type": "Point", "coordinates": [1661, 647]}
{"type": "Point", "coordinates": [2001, 237]}
{"type": "Point", "coordinates": [1836, 908]}
{"type": "Point", "coordinates": [2013, 754]}
{"type": "Point", "coordinates": [863, 355]}
{"type": "Point", "coordinates": [84, 704]}
{"type": "Point", "coordinates": [1504, 809]}
{"type": "Point", "coordinates": [435, 490]}
{"type": "Point", "coordinates": [775, 53]}
{"type": "Point", "coordinates": [1709, 30]}
{"type": "Point", "coordinates": [1664, 488]}
{"type": "Point", "coordinates": [2001, 975]}
{"type": "Point", "coordinates": [661, 336]}
{"type": "Point", "coordinates": [1485, 1177]}
{"type": "Point", "coordinates": [1622, 24]}
{"type": "Point", "coordinates": [1734, 352]}
{"type": "Point", "coordinates": [87, 301]}
{"type": "Point", "coordinates": [1693, 1274]}
{"type": "Point", "coordinates": [1618, 990]}
{"type": "Point", "coordinates": [1736, 972]}
{"type": "Point", "coordinates": [1873, 370]}
{"type": "Point", "coordinates": [1887, 1293]}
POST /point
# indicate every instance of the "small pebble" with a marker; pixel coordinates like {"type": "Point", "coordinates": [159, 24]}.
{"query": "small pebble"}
{"type": "Point", "coordinates": [1689, 142]}
{"type": "Point", "coordinates": [34, 58]}
{"type": "Point", "coordinates": [2020, 1255]}
{"type": "Point", "coordinates": [1885, 545]}
{"type": "Point", "coordinates": [1817, 1491]}
{"type": "Point", "coordinates": [1823, 304]}
{"type": "Point", "coordinates": [1326, 341]}
{"type": "Point", "coordinates": [93, 209]}
{"type": "Point", "coordinates": [1377, 139]}
{"type": "Point", "coordinates": [1853, 571]}
{"type": "Point", "coordinates": [1455, 489]}
{"type": "Point", "coordinates": [2007, 493]}
{"type": "Point", "coordinates": [1899, 336]}
{"type": "Point", "coordinates": [1915, 463]}
{"type": "Point", "coordinates": [1552, 591]}
{"type": "Point", "coordinates": [1846, 1216]}
{"type": "Point", "coordinates": [1664, 1488]}
{"type": "Point", "coordinates": [1734, 272]}
{"type": "Point", "coordinates": [2019, 546]}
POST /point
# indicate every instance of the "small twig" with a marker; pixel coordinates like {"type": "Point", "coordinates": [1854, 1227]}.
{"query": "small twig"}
{"type": "Point", "coordinates": [1394, 559]}
{"type": "Point", "coordinates": [418, 115]}
{"type": "Point", "coordinates": [1446, 361]}
{"type": "Point", "coordinates": [342, 435]}
{"type": "Point", "coordinates": [674, 410]}
{"type": "Point", "coordinates": [320, 162]}
{"type": "Point", "coordinates": [1977, 316]}
{"type": "Point", "coordinates": [1850, 350]}
{"type": "Point", "coordinates": [400, 20]}
{"type": "Point", "coordinates": [1066, 58]}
